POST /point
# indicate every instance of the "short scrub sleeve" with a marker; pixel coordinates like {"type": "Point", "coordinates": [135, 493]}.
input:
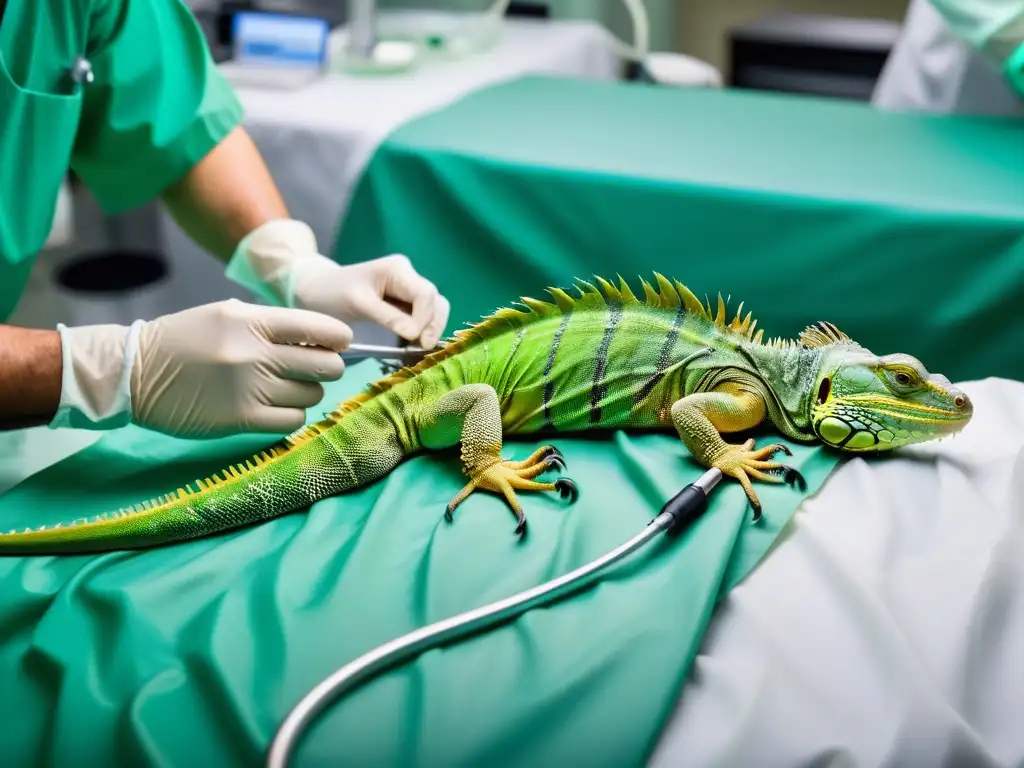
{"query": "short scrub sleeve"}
{"type": "Point", "coordinates": [157, 104]}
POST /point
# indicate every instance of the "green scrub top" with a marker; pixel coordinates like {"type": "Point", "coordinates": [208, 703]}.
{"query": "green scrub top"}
{"type": "Point", "coordinates": [156, 106]}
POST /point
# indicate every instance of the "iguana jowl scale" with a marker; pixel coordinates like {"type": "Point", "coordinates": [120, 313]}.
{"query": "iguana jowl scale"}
{"type": "Point", "coordinates": [603, 359]}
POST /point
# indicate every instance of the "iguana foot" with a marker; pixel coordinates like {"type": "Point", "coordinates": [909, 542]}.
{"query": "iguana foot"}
{"type": "Point", "coordinates": [471, 415]}
{"type": "Point", "coordinates": [506, 477]}
{"type": "Point", "coordinates": [744, 463]}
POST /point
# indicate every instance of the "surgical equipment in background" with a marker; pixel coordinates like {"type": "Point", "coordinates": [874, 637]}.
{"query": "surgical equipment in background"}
{"type": "Point", "coordinates": [362, 29]}
{"type": "Point", "coordinates": [392, 42]}
{"type": "Point", "coordinates": [676, 515]}
{"type": "Point", "coordinates": [367, 41]}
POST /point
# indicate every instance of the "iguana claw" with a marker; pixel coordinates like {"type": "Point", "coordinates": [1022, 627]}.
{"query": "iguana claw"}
{"type": "Point", "coordinates": [567, 488]}
{"type": "Point", "coordinates": [790, 476]}
{"type": "Point", "coordinates": [793, 477]}
{"type": "Point", "coordinates": [553, 456]}
{"type": "Point", "coordinates": [757, 512]}
{"type": "Point", "coordinates": [555, 462]}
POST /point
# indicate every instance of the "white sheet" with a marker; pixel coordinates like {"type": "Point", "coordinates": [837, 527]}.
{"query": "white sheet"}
{"type": "Point", "coordinates": [888, 627]}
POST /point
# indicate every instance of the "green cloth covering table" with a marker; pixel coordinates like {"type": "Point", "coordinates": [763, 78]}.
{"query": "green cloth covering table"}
{"type": "Point", "coordinates": [907, 231]}
{"type": "Point", "coordinates": [192, 654]}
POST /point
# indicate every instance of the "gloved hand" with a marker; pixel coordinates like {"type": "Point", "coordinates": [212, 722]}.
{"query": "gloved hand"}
{"type": "Point", "coordinates": [280, 262]}
{"type": "Point", "coordinates": [211, 371]}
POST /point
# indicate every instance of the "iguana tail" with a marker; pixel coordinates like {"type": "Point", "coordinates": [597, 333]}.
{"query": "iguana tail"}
{"type": "Point", "coordinates": [353, 446]}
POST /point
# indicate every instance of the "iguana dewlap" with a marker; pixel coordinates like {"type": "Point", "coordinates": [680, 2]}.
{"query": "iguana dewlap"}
{"type": "Point", "coordinates": [603, 359]}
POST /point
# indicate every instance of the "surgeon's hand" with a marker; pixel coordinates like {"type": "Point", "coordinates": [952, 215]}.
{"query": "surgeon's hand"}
{"type": "Point", "coordinates": [281, 262]}
{"type": "Point", "coordinates": [386, 291]}
{"type": "Point", "coordinates": [211, 371]}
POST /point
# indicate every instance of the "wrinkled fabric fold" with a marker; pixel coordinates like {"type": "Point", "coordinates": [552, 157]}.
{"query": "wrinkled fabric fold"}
{"type": "Point", "coordinates": [194, 653]}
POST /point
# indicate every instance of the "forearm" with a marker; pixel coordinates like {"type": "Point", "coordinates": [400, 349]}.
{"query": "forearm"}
{"type": "Point", "coordinates": [30, 376]}
{"type": "Point", "coordinates": [228, 194]}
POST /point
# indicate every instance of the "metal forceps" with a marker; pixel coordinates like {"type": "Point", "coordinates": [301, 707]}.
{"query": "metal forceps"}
{"type": "Point", "coordinates": [388, 356]}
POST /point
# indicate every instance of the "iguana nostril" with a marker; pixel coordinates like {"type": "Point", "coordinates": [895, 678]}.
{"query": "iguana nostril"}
{"type": "Point", "coordinates": [958, 401]}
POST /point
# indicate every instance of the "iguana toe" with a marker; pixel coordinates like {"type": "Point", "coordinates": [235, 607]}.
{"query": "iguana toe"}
{"type": "Point", "coordinates": [547, 455]}
{"type": "Point", "coordinates": [507, 477]}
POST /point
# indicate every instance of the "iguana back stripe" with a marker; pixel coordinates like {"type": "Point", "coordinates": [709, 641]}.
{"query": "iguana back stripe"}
{"type": "Point", "coordinates": [664, 357]}
{"type": "Point", "coordinates": [597, 386]}
{"type": "Point", "coordinates": [549, 385]}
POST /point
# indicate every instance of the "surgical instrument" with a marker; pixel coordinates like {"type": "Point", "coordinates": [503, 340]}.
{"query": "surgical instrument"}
{"type": "Point", "coordinates": [405, 355]}
{"type": "Point", "coordinates": [675, 516]}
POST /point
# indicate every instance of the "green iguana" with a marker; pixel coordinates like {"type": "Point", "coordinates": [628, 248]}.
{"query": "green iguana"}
{"type": "Point", "coordinates": [601, 360]}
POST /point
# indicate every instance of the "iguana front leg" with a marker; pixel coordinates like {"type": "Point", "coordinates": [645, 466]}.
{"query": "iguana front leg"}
{"type": "Point", "coordinates": [471, 415]}
{"type": "Point", "coordinates": [701, 418]}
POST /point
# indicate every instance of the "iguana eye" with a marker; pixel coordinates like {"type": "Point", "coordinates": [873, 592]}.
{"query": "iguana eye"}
{"type": "Point", "coordinates": [903, 378]}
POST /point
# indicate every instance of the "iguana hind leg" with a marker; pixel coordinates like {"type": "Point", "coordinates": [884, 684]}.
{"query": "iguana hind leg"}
{"type": "Point", "coordinates": [701, 418]}
{"type": "Point", "coordinates": [471, 415]}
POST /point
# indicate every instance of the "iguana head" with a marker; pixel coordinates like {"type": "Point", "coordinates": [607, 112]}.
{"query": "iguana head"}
{"type": "Point", "coordinates": [862, 402]}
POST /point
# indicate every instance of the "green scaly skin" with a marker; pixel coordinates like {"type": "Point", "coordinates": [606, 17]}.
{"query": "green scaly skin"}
{"type": "Point", "coordinates": [601, 360]}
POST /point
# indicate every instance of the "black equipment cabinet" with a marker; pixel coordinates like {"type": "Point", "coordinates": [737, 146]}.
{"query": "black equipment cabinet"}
{"type": "Point", "coordinates": [811, 54]}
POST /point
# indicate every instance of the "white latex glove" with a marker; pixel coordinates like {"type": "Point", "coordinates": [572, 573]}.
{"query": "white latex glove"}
{"type": "Point", "coordinates": [280, 261]}
{"type": "Point", "coordinates": [211, 371]}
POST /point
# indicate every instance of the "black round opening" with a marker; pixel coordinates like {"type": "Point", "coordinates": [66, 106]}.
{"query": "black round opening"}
{"type": "Point", "coordinates": [112, 272]}
{"type": "Point", "coordinates": [824, 389]}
